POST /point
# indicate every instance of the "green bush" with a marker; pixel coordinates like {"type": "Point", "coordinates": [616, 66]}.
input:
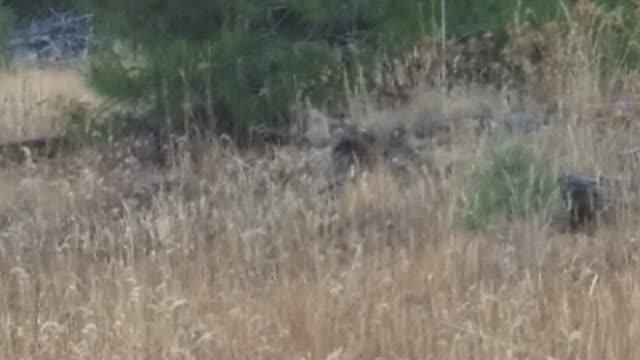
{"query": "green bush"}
{"type": "Point", "coordinates": [514, 182]}
{"type": "Point", "coordinates": [7, 19]}
{"type": "Point", "coordinates": [243, 62]}
{"type": "Point", "coordinates": [25, 9]}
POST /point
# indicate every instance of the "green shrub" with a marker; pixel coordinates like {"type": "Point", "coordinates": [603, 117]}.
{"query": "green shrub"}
{"type": "Point", "coordinates": [80, 128]}
{"type": "Point", "coordinates": [25, 9]}
{"type": "Point", "coordinates": [243, 62]}
{"type": "Point", "coordinates": [513, 182]}
{"type": "Point", "coordinates": [7, 19]}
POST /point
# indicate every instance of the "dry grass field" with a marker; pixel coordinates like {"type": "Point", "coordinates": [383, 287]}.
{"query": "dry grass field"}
{"type": "Point", "coordinates": [33, 101]}
{"type": "Point", "coordinates": [229, 262]}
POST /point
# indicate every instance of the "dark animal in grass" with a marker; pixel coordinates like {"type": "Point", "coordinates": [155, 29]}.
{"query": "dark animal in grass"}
{"type": "Point", "coordinates": [354, 148]}
{"type": "Point", "coordinates": [587, 197]}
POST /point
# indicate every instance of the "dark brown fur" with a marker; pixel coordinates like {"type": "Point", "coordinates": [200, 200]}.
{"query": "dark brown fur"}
{"type": "Point", "coordinates": [355, 148]}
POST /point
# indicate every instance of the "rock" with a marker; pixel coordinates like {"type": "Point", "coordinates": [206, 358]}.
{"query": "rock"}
{"type": "Point", "coordinates": [316, 128]}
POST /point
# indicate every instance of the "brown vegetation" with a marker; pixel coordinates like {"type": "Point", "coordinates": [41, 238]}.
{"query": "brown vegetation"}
{"type": "Point", "coordinates": [34, 101]}
{"type": "Point", "coordinates": [237, 256]}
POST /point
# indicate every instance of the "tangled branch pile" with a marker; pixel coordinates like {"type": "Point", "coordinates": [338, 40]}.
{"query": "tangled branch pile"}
{"type": "Point", "coordinates": [59, 37]}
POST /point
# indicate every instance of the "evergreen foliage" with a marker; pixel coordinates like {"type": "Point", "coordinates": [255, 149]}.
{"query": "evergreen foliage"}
{"type": "Point", "coordinates": [242, 62]}
{"type": "Point", "coordinates": [30, 8]}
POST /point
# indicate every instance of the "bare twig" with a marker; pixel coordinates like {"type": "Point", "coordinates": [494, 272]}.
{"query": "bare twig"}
{"type": "Point", "coordinates": [61, 36]}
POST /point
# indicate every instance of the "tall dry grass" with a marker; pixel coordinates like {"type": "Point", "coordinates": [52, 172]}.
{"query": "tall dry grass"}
{"type": "Point", "coordinates": [234, 265]}
{"type": "Point", "coordinates": [34, 101]}
{"type": "Point", "coordinates": [230, 263]}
